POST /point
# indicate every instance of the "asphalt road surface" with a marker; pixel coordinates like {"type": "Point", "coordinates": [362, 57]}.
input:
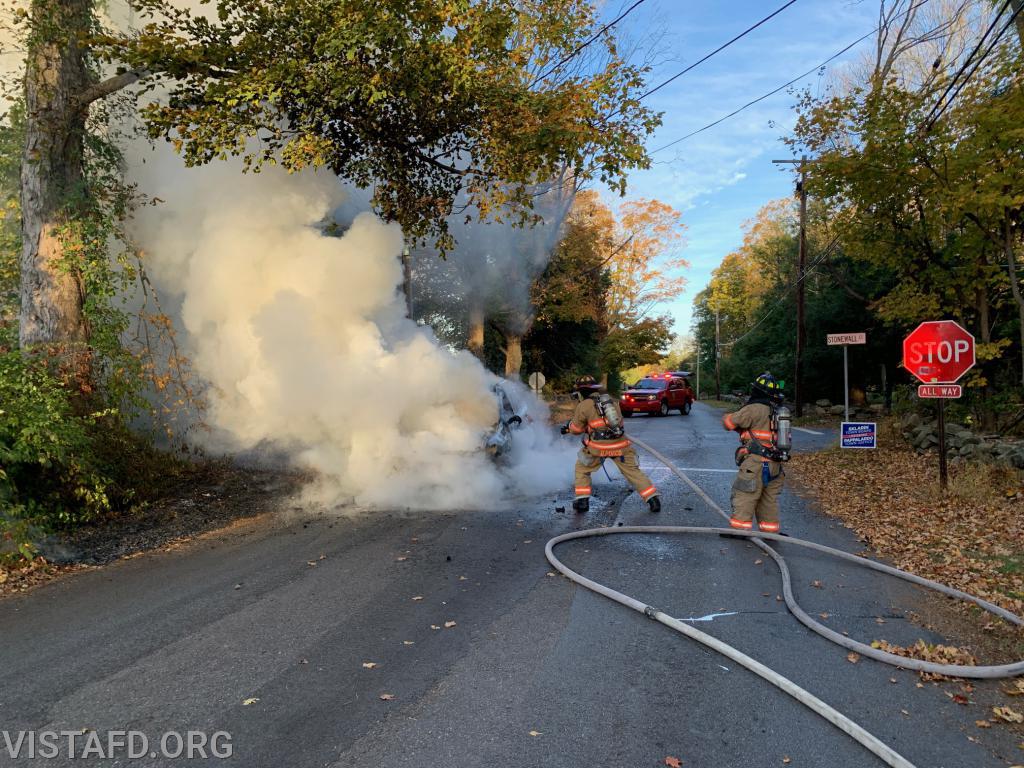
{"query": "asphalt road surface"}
{"type": "Point", "coordinates": [264, 632]}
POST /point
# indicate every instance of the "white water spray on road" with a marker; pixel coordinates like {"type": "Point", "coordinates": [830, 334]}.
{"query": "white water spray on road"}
{"type": "Point", "coordinates": [303, 339]}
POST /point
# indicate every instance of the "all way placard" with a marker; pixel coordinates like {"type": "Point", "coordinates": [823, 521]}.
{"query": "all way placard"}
{"type": "Point", "coordinates": [939, 390]}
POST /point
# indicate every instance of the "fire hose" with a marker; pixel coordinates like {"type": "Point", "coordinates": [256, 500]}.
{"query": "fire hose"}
{"type": "Point", "coordinates": [845, 724]}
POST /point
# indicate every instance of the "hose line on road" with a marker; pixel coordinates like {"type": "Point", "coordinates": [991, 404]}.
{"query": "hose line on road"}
{"type": "Point", "coordinates": [837, 718]}
{"type": "Point", "coordinates": [845, 724]}
{"type": "Point", "coordinates": [918, 665]}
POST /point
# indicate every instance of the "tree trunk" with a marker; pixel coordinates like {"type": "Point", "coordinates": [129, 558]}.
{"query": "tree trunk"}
{"type": "Point", "coordinates": [475, 341]}
{"type": "Point", "coordinates": [1011, 263]}
{"type": "Point", "coordinates": [52, 179]}
{"type": "Point", "coordinates": [513, 356]}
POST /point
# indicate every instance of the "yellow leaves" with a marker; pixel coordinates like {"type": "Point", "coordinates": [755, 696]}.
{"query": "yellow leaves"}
{"type": "Point", "coordinates": [370, 665]}
{"type": "Point", "coordinates": [673, 762]}
{"type": "Point", "coordinates": [1008, 714]}
{"type": "Point", "coordinates": [249, 702]}
{"type": "Point", "coordinates": [852, 657]}
{"type": "Point", "coordinates": [536, 733]}
{"type": "Point", "coordinates": [1018, 688]}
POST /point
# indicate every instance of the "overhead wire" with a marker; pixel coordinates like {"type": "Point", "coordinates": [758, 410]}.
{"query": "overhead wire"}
{"type": "Point", "coordinates": [789, 289]}
{"type": "Point", "coordinates": [717, 50]}
{"type": "Point", "coordinates": [785, 85]}
{"type": "Point", "coordinates": [943, 102]}
{"type": "Point", "coordinates": [570, 56]}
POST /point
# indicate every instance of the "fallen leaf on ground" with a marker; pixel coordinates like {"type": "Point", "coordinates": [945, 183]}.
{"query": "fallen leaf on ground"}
{"type": "Point", "coordinates": [535, 733]}
{"type": "Point", "coordinates": [1018, 688]}
{"type": "Point", "coordinates": [462, 578]}
{"type": "Point", "coordinates": [400, 559]}
{"type": "Point", "coordinates": [449, 624]}
{"type": "Point", "coordinates": [786, 760]}
{"type": "Point", "coordinates": [673, 762]}
{"type": "Point", "coordinates": [960, 699]}
{"type": "Point", "coordinates": [434, 626]}
{"type": "Point", "coordinates": [905, 712]}
{"type": "Point", "coordinates": [853, 657]}
{"type": "Point", "coordinates": [311, 563]}
{"type": "Point", "coordinates": [983, 723]}
{"type": "Point", "coordinates": [758, 562]}
{"type": "Point", "coordinates": [417, 598]}
{"type": "Point", "coordinates": [817, 584]}
{"type": "Point", "coordinates": [879, 620]}
{"type": "Point", "coordinates": [408, 642]}
{"type": "Point", "coordinates": [1008, 715]}
{"type": "Point", "coordinates": [387, 697]}
{"type": "Point", "coordinates": [369, 664]}
{"type": "Point", "coordinates": [891, 501]}
{"type": "Point", "coordinates": [823, 615]}
{"type": "Point", "coordinates": [247, 702]}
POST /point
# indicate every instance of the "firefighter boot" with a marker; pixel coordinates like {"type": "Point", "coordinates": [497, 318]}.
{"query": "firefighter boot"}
{"type": "Point", "coordinates": [654, 503]}
{"type": "Point", "coordinates": [581, 505]}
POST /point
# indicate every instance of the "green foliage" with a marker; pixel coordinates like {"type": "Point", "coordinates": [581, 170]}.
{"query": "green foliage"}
{"type": "Point", "coordinates": [917, 194]}
{"type": "Point", "coordinates": [428, 102]}
{"type": "Point", "coordinates": [66, 456]}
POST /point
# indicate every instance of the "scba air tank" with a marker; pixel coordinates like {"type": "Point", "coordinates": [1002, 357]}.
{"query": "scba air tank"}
{"type": "Point", "coordinates": [783, 430]}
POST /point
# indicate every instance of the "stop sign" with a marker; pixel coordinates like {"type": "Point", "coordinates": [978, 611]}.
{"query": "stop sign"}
{"type": "Point", "coordinates": [938, 352]}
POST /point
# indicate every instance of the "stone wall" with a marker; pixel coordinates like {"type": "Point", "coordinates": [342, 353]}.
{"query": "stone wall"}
{"type": "Point", "coordinates": [961, 442]}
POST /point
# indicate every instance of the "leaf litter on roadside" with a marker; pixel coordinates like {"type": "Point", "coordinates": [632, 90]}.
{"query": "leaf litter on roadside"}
{"type": "Point", "coordinates": [971, 538]}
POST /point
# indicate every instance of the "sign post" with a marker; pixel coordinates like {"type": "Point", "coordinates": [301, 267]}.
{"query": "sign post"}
{"type": "Point", "coordinates": [939, 352]}
{"type": "Point", "coordinates": [844, 340]}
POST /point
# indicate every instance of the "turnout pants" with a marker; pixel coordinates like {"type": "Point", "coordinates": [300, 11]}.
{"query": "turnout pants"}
{"type": "Point", "coordinates": [751, 495]}
{"type": "Point", "coordinates": [588, 462]}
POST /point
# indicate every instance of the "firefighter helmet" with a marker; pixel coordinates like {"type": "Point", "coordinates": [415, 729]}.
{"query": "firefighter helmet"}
{"type": "Point", "coordinates": [765, 385]}
{"type": "Point", "coordinates": [586, 386]}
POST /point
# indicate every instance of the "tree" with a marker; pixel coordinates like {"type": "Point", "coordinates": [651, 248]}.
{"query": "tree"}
{"type": "Point", "coordinates": [918, 165]}
{"type": "Point", "coordinates": [429, 103]}
{"type": "Point", "coordinates": [644, 273]}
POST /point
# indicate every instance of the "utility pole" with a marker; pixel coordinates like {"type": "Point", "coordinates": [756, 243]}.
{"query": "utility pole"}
{"type": "Point", "coordinates": [407, 281]}
{"type": "Point", "coordinates": [698, 369]}
{"type": "Point", "coordinates": [718, 357]}
{"type": "Point", "coordinates": [801, 331]}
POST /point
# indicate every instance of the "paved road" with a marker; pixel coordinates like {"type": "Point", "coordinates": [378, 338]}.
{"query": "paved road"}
{"type": "Point", "coordinates": [285, 613]}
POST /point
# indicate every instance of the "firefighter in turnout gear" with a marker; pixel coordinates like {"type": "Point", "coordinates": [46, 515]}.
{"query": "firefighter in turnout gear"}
{"type": "Point", "coordinates": [763, 424]}
{"type": "Point", "coordinates": [597, 417]}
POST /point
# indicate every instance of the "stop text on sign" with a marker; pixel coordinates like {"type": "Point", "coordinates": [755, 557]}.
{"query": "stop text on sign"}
{"type": "Point", "coordinates": [939, 390]}
{"type": "Point", "coordinates": [941, 351]}
{"type": "Point", "coordinates": [938, 352]}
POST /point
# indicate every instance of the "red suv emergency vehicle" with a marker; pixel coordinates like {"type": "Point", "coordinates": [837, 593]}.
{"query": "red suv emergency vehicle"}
{"type": "Point", "coordinates": [658, 393]}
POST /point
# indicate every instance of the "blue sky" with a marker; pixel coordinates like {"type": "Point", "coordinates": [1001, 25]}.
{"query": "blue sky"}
{"type": "Point", "coordinates": [720, 178]}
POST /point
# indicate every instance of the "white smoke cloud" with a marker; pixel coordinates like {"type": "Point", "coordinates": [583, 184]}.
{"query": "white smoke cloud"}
{"type": "Point", "coordinates": [303, 340]}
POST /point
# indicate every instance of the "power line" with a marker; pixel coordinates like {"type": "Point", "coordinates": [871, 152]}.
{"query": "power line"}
{"type": "Point", "coordinates": [717, 50]}
{"type": "Point", "coordinates": [821, 257]}
{"type": "Point", "coordinates": [568, 57]}
{"type": "Point", "coordinates": [943, 103]}
{"type": "Point", "coordinates": [782, 87]}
